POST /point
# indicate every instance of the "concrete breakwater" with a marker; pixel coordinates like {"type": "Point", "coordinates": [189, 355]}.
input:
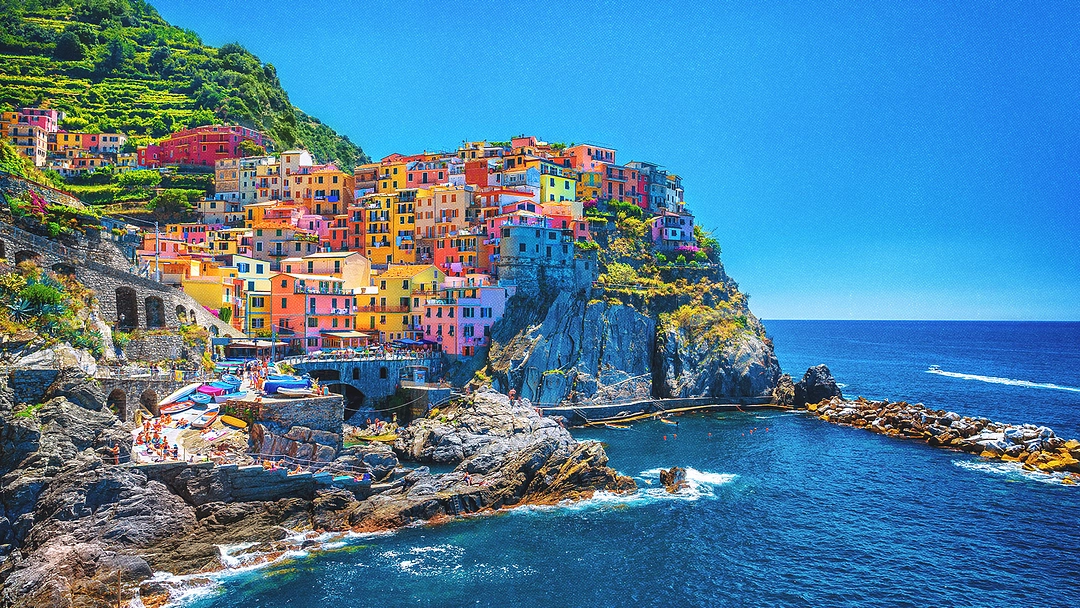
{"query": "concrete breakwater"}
{"type": "Point", "coordinates": [1033, 447]}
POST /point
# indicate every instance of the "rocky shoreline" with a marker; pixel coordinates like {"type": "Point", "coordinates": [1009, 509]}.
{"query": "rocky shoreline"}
{"type": "Point", "coordinates": [72, 526]}
{"type": "Point", "coordinates": [1035, 448]}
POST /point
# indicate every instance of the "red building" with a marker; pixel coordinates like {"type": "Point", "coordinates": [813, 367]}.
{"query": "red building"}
{"type": "Point", "coordinates": [201, 146]}
{"type": "Point", "coordinates": [338, 239]}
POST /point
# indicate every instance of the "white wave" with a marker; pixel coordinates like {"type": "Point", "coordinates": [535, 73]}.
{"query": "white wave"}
{"type": "Point", "coordinates": [1009, 469]}
{"type": "Point", "coordinates": [1008, 381]}
{"type": "Point", "coordinates": [841, 385]}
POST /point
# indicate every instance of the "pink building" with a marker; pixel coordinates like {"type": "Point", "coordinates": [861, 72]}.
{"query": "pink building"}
{"type": "Point", "coordinates": [40, 117]}
{"type": "Point", "coordinates": [587, 157]}
{"type": "Point", "coordinates": [460, 319]}
{"type": "Point", "coordinates": [202, 146]}
{"type": "Point", "coordinates": [672, 231]}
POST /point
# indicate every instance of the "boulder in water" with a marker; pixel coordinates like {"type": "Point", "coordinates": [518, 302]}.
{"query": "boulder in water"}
{"type": "Point", "coordinates": [817, 385]}
{"type": "Point", "coordinates": [674, 479]}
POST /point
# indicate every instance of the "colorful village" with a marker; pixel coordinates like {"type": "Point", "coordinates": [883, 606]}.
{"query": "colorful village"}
{"type": "Point", "coordinates": [411, 258]}
{"type": "Point", "coordinates": [419, 250]}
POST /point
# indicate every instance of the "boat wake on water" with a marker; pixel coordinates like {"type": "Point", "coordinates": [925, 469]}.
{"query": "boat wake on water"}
{"type": "Point", "coordinates": [1008, 381]}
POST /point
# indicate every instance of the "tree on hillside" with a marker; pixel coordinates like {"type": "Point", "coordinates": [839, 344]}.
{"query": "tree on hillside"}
{"type": "Point", "coordinates": [69, 48]}
{"type": "Point", "coordinates": [139, 178]}
{"type": "Point", "coordinates": [171, 205]}
{"type": "Point", "coordinates": [118, 52]}
{"type": "Point", "coordinates": [249, 148]}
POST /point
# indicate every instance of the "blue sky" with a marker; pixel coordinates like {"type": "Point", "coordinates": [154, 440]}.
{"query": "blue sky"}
{"type": "Point", "coordinates": [917, 161]}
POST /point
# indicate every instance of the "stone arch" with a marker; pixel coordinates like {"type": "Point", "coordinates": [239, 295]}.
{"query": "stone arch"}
{"type": "Point", "coordinates": [355, 399]}
{"type": "Point", "coordinates": [181, 314]}
{"type": "Point", "coordinates": [384, 373]}
{"type": "Point", "coordinates": [149, 401]}
{"type": "Point", "coordinates": [155, 312]}
{"type": "Point", "coordinates": [25, 255]}
{"type": "Point", "coordinates": [127, 309]}
{"type": "Point", "coordinates": [325, 375]}
{"type": "Point", "coordinates": [62, 268]}
{"type": "Point", "coordinates": [117, 402]}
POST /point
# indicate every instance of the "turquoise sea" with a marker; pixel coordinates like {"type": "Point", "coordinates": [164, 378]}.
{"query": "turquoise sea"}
{"type": "Point", "coordinates": [784, 510]}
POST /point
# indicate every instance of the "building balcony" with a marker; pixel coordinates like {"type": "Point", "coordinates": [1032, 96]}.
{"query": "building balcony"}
{"type": "Point", "coordinates": [317, 291]}
{"type": "Point", "coordinates": [391, 309]}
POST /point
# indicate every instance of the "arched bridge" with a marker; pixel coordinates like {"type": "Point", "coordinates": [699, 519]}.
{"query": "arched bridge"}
{"type": "Point", "coordinates": [365, 382]}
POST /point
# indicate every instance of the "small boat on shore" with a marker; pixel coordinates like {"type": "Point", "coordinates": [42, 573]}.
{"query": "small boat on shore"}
{"type": "Point", "coordinates": [206, 419]}
{"type": "Point", "coordinates": [384, 438]}
{"type": "Point", "coordinates": [200, 398]}
{"type": "Point", "coordinates": [223, 397]}
{"type": "Point", "coordinates": [273, 386]}
{"type": "Point", "coordinates": [210, 389]}
{"type": "Point", "coordinates": [231, 379]}
{"type": "Point", "coordinates": [289, 391]}
{"type": "Point", "coordinates": [234, 422]}
{"type": "Point", "coordinates": [180, 394]}
{"type": "Point", "coordinates": [176, 408]}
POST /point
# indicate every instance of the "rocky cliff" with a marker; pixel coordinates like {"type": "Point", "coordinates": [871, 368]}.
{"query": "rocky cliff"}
{"type": "Point", "coordinates": [659, 333]}
{"type": "Point", "coordinates": [73, 525]}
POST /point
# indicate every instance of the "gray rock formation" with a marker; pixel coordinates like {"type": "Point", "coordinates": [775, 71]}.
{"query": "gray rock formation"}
{"type": "Point", "coordinates": [816, 386]}
{"type": "Point", "coordinates": [579, 350]}
{"type": "Point", "coordinates": [743, 366]}
{"type": "Point", "coordinates": [72, 523]}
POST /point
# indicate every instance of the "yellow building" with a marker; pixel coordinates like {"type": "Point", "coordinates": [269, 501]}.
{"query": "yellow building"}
{"type": "Point", "coordinates": [256, 319]}
{"type": "Point", "coordinates": [556, 183]}
{"type": "Point", "coordinates": [392, 177]}
{"type": "Point", "coordinates": [254, 212]}
{"type": "Point", "coordinates": [396, 309]}
{"type": "Point", "coordinates": [324, 190]}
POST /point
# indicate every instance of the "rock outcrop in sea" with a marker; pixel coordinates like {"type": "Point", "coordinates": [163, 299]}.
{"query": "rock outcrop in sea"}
{"type": "Point", "coordinates": [1035, 448]}
{"type": "Point", "coordinates": [73, 523]}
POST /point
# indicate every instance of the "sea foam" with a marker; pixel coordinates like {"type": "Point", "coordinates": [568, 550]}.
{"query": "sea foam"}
{"type": "Point", "coordinates": [1008, 381]}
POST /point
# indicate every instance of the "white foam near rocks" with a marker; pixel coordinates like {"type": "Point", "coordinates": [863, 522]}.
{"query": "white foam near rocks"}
{"type": "Point", "coordinates": [1009, 469]}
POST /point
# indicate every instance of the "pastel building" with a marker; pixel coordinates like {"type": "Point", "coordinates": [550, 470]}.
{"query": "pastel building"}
{"type": "Point", "coordinates": [312, 311]}
{"type": "Point", "coordinates": [353, 268]}
{"type": "Point", "coordinates": [460, 318]}
{"type": "Point", "coordinates": [198, 146]}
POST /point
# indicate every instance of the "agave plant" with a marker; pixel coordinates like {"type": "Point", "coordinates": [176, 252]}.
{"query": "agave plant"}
{"type": "Point", "coordinates": [21, 310]}
{"type": "Point", "coordinates": [53, 309]}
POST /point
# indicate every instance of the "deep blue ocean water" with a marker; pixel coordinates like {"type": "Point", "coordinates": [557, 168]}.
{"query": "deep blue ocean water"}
{"type": "Point", "coordinates": [784, 509]}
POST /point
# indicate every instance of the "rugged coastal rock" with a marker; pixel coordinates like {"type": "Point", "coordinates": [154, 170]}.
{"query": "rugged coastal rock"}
{"type": "Point", "coordinates": [581, 350]}
{"type": "Point", "coordinates": [817, 385]}
{"type": "Point", "coordinates": [1036, 448]}
{"type": "Point", "coordinates": [73, 524]}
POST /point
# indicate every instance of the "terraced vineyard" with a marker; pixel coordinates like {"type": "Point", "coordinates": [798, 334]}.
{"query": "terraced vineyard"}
{"type": "Point", "coordinates": [116, 65]}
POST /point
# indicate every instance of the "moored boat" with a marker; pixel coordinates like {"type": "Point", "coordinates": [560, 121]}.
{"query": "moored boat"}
{"type": "Point", "coordinates": [384, 438]}
{"type": "Point", "coordinates": [234, 422]}
{"type": "Point", "coordinates": [210, 389]}
{"type": "Point", "coordinates": [200, 398]}
{"type": "Point", "coordinates": [669, 421]}
{"type": "Point", "coordinates": [223, 397]}
{"type": "Point", "coordinates": [180, 394]}
{"type": "Point", "coordinates": [290, 391]}
{"type": "Point", "coordinates": [176, 408]}
{"type": "Point", "coordinates": [273, 386]}
{"type": "Point", "coordinates": [206, 419]}
{"type": "Point", "coordinates": [617, 427]}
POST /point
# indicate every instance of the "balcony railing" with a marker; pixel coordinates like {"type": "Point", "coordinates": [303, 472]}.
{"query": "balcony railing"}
{"type": "Point", "coordinates": [382, 309]}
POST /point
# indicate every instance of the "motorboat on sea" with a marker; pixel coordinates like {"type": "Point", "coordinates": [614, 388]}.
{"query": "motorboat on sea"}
{"type": "Point", "coordinates": [934, 369]}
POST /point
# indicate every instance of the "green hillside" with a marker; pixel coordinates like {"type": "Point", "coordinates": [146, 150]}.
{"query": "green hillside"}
{"type": "Point", "coordinates": [116, 65]}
